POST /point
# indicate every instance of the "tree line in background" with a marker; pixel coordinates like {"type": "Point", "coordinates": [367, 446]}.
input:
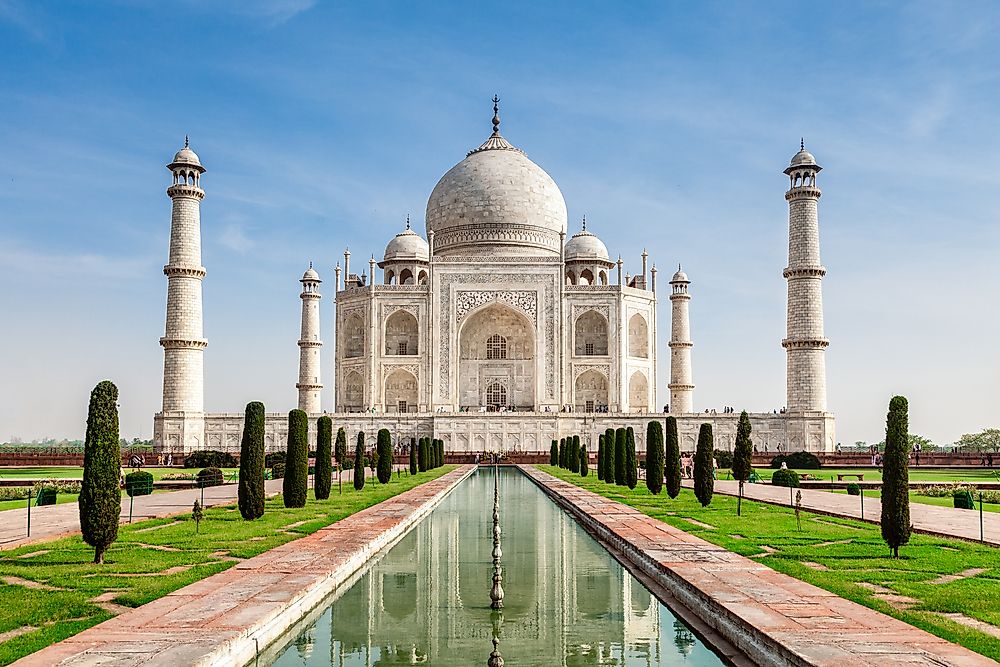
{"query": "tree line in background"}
{"type": "Point", "coordinates": [617, 464]}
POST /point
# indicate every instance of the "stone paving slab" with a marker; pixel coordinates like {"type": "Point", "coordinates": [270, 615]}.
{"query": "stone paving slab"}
{"type": "Point", "coordinates": [775, 619]}
{"type": "Point", "coordinates": [224, 619]}
{"type": "Point", "coordinates": [929, 519]}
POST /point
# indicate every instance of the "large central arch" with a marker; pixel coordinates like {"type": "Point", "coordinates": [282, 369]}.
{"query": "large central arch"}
{"type": "Point", "coordinates": [496, 349]}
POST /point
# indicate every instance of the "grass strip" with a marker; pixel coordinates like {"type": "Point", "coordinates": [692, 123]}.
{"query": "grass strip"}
{"type": "Point", "coordinates": [153, 558]}
{"type": "Point", "coordinates": [857, 563]}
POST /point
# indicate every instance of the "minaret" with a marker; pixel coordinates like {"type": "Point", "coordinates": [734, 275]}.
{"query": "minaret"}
{"type": "Point", "coordinates": [805, 344]}
{"type": "Point", "coordinates": [681, 385]}
{"type": "Point", "coordinates": [183, 341]}
{"type": "Point", "coordinates": [309, 344]}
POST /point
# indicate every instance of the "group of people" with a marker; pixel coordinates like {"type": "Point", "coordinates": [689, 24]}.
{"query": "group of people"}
{"type": "Point", "coordinates": [164, 460]}
{"type": "Point", "coordinates": [687, 466]}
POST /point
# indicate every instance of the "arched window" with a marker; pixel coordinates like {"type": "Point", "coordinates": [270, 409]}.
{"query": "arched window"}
{"type": "Point", "coordinates": [496, 348]}
{"type": "Point", "coordinates": [496, 394]}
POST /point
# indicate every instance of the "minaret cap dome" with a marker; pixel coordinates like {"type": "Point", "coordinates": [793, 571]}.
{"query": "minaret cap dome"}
{"type": "Point", "coordinates": [586, 246]}
{"type": "Point", "coordinates": [802, 158]}
{"type": "Point", "coordinates": [680, 276]}
{"type": "Point", "coordinates": [310, 275]}
{"type": "Point", "coordinates": [407, 245]}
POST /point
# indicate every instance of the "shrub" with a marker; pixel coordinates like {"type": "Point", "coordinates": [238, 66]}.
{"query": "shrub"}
{"type": "Point", "coordinates": [359, 462]}
{"type": "Point", "coordinates": [554, 454]}
{"type": "Point", "coordinates": [584, 461]}
{"type": "Point", "coordinates": [251, 491]}
{"type": "Point", "coordinates": [963, 500]}
{"type": "Point", "coordinates": [854, 489]}
{"type": "Point", "coordinates": [340, 449]}
{"type": "Point", "coordinates": [609, 456]}
{"type": "Point", "coordinates": [704, 482]}
{"type": "Point", "coordinates": [274, 457]}
{"type": "Point", "coordinates": [620, 457]}
{"type": "Point", "coordinates": [631, 466]}
{"type": "Point", "coordinates": [785, 477]}
{"type": "Point", "coordinates": [295, 485]}
{"type": "Point", "coordinates": [654, 457]}
{"type": "Point", "coordinates": [672, 458]}
{"type": "Point", "coordinates": [100, 498]}
{"type": "Point", "coordinates": [210, 458]}
{"type": "Point", "coordinates": [139, 483]}
{"type": "Point", "coordinates": [384, 448]}
{"type": "Point", "coordinates": [47, 495]}
{"type": "Point", "coordinates": [895, 521]}
{"type": "Point", "coordinates": [797, 460]}
{"type": "Point", "coordinates": [933, 490]}
{"type": "Point", "coordinates": [209, 477]}
{"type": "Point", "coordinates": [323, 477]}
{"type": "Point", "coordinates": [725, 459]}
{"type": "Point", "coordinates": [278, 470]}
{"type": "Point", "coordinates": [413, 456]}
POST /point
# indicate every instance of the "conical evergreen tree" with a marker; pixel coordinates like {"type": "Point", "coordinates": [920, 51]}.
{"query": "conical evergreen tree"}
{"type": "Point", "coordinates": [620, 456]}
{"type": "Point", "coordinates": [384, 446]}
{"type": "Point", "coordinates": [742, 457]}
{"type": "Point", "coordinates": [324, 458]}
{"type": "Point", "coordinates": [584, 461]}
{"type": "Point", "coordinates": [554, 454]}
{"type": "Point", "coordinates": [654, 456]}
{"type": "Point", "coordinates": [600, 457]}
{"type": "Point", "coordinates": [631, 463]}
{"type": "Point", "coordinates": [296, 482]}
{"type": "Point", "coordinates": [704, 458]}
{"type": "Point", "coordinates": [340, 449]}
{"type": "Point", "coordinates": [562, 452]}
{"type": "Point", "coordinates": [251, 491]}
{"type": "Point", "coordinates": [413, 456]}
{"type": "Point", "coordinates": [609, 456]}
{"type": "Point", "coordinates": [100, 496]}
{"type": "Point", "coordinates": [359, 462]}
{"type": "Point", "coordinates": [574, 454]}
{"type": "Point", "coordinates": [672, 458]}
{"type": "Point", "coordinates": [896, 526]}
{"type": "Point", "coordinates": [422, 455]}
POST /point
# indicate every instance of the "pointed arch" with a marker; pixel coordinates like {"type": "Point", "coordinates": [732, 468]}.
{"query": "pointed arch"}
{"type": "Point", "coordinates": [402, 335]}
{"type": "Point", "coordinates": [638, 392]}
{"type": "Point", "coordinates": [638, 337]}
{"type": "Point", "coordinates": [354, 336]}
{"type": "Point", "coordinates": [590, 335]}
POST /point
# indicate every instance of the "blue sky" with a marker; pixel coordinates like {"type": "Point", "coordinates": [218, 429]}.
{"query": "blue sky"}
{"type": "Point", "coordinates": [667, 124]}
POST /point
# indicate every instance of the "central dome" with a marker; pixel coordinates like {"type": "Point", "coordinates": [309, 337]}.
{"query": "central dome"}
{"type": "Point", "coordinates": [496, 201]}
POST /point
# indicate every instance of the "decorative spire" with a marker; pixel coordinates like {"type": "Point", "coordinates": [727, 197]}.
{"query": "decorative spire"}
{"type": "Point", "coordinates": [802, 143]}
{"type": "Point", "coordinates": [678, 266]}
{"type": "Point", "coordinates": [407, 221]}
{"type": "Point", "coordinates": [310, 264]}
{"type": "Point", "coordinates": [496, 115]}
{"type": "Point", "coordinates": [584, 222]}
{"type": "Point", "coordinates": [496, 141]}
{"type": "Point", "coordinates": [186, 142]}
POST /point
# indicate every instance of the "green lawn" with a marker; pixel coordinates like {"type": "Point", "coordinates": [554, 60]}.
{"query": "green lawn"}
{"type": "Point", "coordinates": [22, 505]}
{"type": "Point", "coordinates": [74, 472]}
{"type": "Point", "coordinates": [916, 474]}
{"type": "Point", "coordinates": [64, 607]}
{"type": "Point", "coordinates": [853, 552]}
{"type": "Point", "coordinates": [915, 497]}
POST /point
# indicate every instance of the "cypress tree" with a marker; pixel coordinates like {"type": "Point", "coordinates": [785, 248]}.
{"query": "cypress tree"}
{"type": "Point", "coordinates": [413, 456]}
{"type": "Point", "coordinates": [620, 457]}
{"type": "Point", "coordinates": [100, 498]}
{"type": "Point", "coordinates": [562, 452]}
{"type": "Point", "coordinates": [554, 454]}
{"type": "Point", "coordinates": [324, 458]}
{"type": "Point", "coordinates": [341, 448]}
{"type": "Point", "coordinates": [584, 462]}
{"type": "Point", "coordinates": [704, 456]}
{"type": "Point", "coordinates": [609, 456]}
{"type": "Point", "coordinates": [654, 457]}
{"type": "Point", "coordinates": [384, 447]}
{"type": "Point", "coordinates": [631, 464]}
{"type": "Point", "coordinates": [422, 454]}
{"type": "Point", "coordinates": [296, 481]}
{"type": "Point", "coordinates": [672, 458]}
{"type": "Point", "coordinates": [742, 457]}
{"type": "Point", "coordinates": [251, 492]}
{"type": "Point", "coordinates": [434, 452]}
{"type": "Point", "coordinates": [359, 462]}
{"type": "Point", "coordinates": [440, 452]}
{"type": "Point", "coordinates": [600, 457]}
{"type": "Point", "coordinates": [896, 526]}
{"type": "Point", "coordinates": [574, 453]}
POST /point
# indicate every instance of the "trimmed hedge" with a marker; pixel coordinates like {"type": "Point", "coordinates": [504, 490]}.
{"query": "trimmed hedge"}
{"type": "Point", "coordinates": [895, 521]}
{"type": "Point", "coordinates": [210, 458]}
{"type": "Point", "coordinates": [278, 470]}
{"type": "Point", "coordinates": [853, 489]}
{"type": "Point", "coordinates": [609, 456]}
{"type": "Point", "coordinates": [574, 453]}
{"type": "Point", "coordinates": [413, 456]}
{"type": "Point", "coordinates": [359, 462]}
{"type": "Point", "coordinates": [797, 460]}
{"type": "Point", "coordinates": [584, 461]}
{"type": "Point", "coordinates": [554, 454]}
{"type": "Point", "coordinates": [340, 448]}
{"type": "Point", "coordinates": [100, 498]}
{"type": "Point", "coordinates": [654, 457]}
{"type": "Point", "coordinates": [620, 457]}
{"type": "Point", "coordinates": [672, 458]}
{"type": "Point", "coordinates": [251, 492]}
{"type": "Point", "coordinates": [294, 488]}
{"type": "Point", "coordinates": [209, 477]}
{"type": "Point", "coordinates": [274, 457]}
{"type": "Point", "coordinates": [631, 464]}
{"type": "Point", "coordinates": [785, 477]}
{"type": "Point", "coordinates": [600, 457]}
{"type": "Point", "coordinates": [383, 447]}
{"type": "Point", "coordinates": [323, 476]}
{"type": "Point", "coordinates": [704, 466]}
{"type": "Point", "coordinates": [139, 483]}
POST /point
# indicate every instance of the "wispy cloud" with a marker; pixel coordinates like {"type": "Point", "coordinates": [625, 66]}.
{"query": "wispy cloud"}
{"type": "Point", "coordinates": [234, 237]}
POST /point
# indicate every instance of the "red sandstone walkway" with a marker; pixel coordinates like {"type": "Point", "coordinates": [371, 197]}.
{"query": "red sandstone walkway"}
{"type": "Point", "coordinates": [931, 519]}
{"type": "Point", "coordinates": [221, 620]}
{"type": "Point", "coordinates": [754, 607]}
{"type": "Point", "coordinates": [52, 521]}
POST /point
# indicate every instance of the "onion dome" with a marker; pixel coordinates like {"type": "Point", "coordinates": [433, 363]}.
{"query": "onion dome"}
{"type": "Point", "coordinates": [496, 201]}
{"type": "Point", "coordinates": [803, 157]}
{"type": "Point", "coordinates": [586, 246]}
{"type": "Point", "coordinates": [186, 156]}
{"type": "Point", "coordinates": [680, 276]}
{"type": "Point", "coordinates": [310, 275]}
{"type": "Point", "coordinates": [407, 245]}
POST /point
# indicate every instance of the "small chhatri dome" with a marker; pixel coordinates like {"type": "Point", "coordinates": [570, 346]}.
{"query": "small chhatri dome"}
{"type": "Point", "coordinates": [496, 201]}
{"type": "Point", "coordinates": [407, 245]}
{"type": "Point", "coordinates": [186, 155]}
{"type": "Point", "coordinates": [680, 276]}
{"type": "Point", "coordinates": [310, 275]}
{"type": "Point", "coordinates": [586, 246]}
{"type": "Point", "coordinates": [803, 157]}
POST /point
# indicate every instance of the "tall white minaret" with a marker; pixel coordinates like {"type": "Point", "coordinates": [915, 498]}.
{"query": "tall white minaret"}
{"type": "Point", "coordinates": [309, 344]}
{"type": "Point", "coordinates": [183, 341]}
{"type": "Point", "coordinates": [681, 384]}
{"type": "Point", "coordinates": [805, 343]}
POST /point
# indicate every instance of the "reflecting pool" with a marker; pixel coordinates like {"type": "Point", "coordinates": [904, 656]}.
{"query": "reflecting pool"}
{"type": "Point", "coordinates": [427, 599]}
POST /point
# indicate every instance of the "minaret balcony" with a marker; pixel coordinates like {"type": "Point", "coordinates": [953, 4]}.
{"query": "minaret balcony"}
{"type": "Point", "coordinates": [804, 272]}
{"type": "Point", "coordinates": [805, 344]}
{"type": "Point", "coordinates": [310, 343]}
{"type": "Point", "coordinates": [804, 192]}
{"type": "Point", "coordinates": [183, 343]}
{"type": "Point", "coordinates": [185, 190]}
{"type": "Point", "coordinates": [184, 271]}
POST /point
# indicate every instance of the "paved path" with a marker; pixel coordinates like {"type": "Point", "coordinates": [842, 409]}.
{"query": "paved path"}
{"type": "Point", "coordinates": [53, 521]}
{"type": "Point", "coordinates": [754, 607]}
{"type": "Point", "coordinates": [931, 519]}
{"type": "Point", "coordinates": [222, 619]}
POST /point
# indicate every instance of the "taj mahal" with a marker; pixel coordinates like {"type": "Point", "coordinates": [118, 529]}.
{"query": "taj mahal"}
{"type": "Point", "coordinates": [497, 330]}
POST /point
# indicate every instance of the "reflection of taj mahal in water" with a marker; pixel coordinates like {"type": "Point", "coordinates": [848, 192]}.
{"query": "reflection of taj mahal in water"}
{"type": "Point", "coordinates": [496, 332]}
